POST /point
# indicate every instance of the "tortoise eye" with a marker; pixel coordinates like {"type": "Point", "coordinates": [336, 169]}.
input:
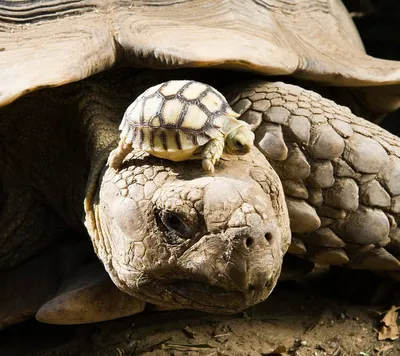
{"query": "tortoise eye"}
{"type": "Point", "coordinates": [239, 145]}
{"type": "Point", "coordinates": [175, 225]}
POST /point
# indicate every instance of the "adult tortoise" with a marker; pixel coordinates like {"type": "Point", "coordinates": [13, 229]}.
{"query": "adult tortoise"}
{"type": "Point", "coordinates": [169, 233]}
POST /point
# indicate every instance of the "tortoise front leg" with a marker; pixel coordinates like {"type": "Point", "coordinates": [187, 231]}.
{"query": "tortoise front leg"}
{"type": "Point", "coordinates": [340, 174]}
{"type": "Point", "coordinates": [87, 296]}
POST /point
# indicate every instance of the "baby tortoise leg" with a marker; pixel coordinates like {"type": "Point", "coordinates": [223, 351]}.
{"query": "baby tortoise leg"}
{"type": "Point", "coordinates": [118, 155]}
{"type": "Point", "coordinates": [212, 153]}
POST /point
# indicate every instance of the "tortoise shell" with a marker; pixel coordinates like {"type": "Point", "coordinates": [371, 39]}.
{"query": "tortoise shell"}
{"type": "Point", "coordinates": [314, 40]}
{"type": "Point", "coordinates": [175, 116]}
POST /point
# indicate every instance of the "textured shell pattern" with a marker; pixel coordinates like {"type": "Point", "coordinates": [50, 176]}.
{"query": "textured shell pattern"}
{"type": "Point", "coordinates": [175, 115]}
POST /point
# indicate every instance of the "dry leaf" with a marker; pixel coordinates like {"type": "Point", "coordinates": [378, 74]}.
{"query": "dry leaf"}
{"type": "Point", "coordinates": [383, 348]}
{"type": "Point", "coordinates": [389, 329]}
{"type": "Point", "coordinates": [189, 332]}
{"type": "Point", "coordinates": [279, 351]}
{"type": "Point", "coordinates": [185, 347]}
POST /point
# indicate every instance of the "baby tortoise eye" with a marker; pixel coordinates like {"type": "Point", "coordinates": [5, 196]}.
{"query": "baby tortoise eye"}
{"type": "Point", "coordinates": [238, 145]}
{"type": "Point", "coordinates": [176, 228]}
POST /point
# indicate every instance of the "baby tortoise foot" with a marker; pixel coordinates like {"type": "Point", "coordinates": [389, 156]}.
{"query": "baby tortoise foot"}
{"type": "Point", "coordinates": [118, 155]}
{"type": "Point", "coordinates": [212, 153]}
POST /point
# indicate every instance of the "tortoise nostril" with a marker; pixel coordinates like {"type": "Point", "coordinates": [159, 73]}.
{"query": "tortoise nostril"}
{"type": "Point", "coordinates": [249, 242]}
{"type": "Point", "coordinates": [268, 284]}
{"type": "Point", "coordinates": [268, 237]}
{"type": "Point", "coordinates": [252, 287]}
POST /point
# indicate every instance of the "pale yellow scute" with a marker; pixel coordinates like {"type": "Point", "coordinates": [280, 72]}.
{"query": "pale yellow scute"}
{"type": "Point", "coordinates": [186, 140]}
{"type": "Point", "coordinates": [219, 121]}
{"type": "Point", "coordinates": [151, 108]}
{"type": "Point", "coordinates": [154, 122]}
{"type": "Point", "coordinates": [203, 139]}
{"type": "Point", "coordinates": [176, 156]}
{"type": "Point", "coordinates": [151, 90]}
{"type": "Point", "coordinates": [171, 140]}
{"type": "Point", "coordinates": [134, 113]}
{"type": "Point", "coordinates": [193, 91]}
{"type": "Point", "coordinates": [171, 111]}
{"type": "Point", "coordinates": [146, 143]}
{"type": "Point", "coordinates": [212, 102]}
{"type": "Point", "coordinates": [130, 136]}
{"type": "Point", "coordinates": [158, 144]}
{"type": "Point", "coordinates": [195, 118]}
{"type": "Point", "coordinates": [136, 138]}
{"type": "Point", "coordinates": [171, 88]}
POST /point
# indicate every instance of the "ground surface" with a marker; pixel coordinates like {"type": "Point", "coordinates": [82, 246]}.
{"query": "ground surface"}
{"type": "Point", "coordinates": [296, 319]}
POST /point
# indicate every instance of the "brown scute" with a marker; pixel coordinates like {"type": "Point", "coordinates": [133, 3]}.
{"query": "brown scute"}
{"type": "Point", "coordinates": [141, 137]}
{"type": "Point", "coordinates": [164, 140]}
{"type": "Point", "coordinates": [341, 184]}
{"type": "Point", "coordinates": [178, 140]}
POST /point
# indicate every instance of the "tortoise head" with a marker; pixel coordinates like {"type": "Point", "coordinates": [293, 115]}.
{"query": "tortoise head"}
{"type": "Point", "coordinates": [174, 236]}
{"type": "Point", "coordinates": [240, 140]}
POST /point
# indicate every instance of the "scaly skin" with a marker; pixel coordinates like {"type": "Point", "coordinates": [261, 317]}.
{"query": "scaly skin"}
{"type": "Point", "coordinates": [340, 174]}
{"type": "Point", "coordinates": [234, 232]}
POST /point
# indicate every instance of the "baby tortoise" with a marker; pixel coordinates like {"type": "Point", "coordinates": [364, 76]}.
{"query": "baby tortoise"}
{"type": "Point", "coordinates": [182, 120]}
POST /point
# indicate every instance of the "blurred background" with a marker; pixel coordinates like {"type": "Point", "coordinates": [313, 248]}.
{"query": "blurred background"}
{"type": "Point", "coordinates": [378, 22]}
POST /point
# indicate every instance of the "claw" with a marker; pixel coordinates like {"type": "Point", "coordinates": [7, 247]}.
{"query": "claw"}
{"type": "Point", "coordinates": [118, 155]}
{"type": "Point", "coordinates": [208, 166]}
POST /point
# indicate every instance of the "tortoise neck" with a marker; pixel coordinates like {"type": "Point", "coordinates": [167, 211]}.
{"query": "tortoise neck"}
{"type": "Point", "coordinates": [102, 106]}
{"type": "Point", "coordinates": [100, 125]}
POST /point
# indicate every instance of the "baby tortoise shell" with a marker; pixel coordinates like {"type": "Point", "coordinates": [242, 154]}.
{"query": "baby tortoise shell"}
{"type": "Point", "coordinates": [182, 120]}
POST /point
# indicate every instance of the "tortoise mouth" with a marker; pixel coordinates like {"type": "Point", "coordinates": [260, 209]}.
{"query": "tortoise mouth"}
{"type": "Point", "coordinates": [190, 294]}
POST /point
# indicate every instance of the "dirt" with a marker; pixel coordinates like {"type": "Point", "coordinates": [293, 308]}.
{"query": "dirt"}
{"type": "Point", "coordinates": [304, 318]}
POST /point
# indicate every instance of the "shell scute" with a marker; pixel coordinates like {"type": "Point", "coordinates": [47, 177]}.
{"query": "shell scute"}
{"type": "Point", "coordinates": [195, 119]}
{"type": "Point", "coordinates": [172, 87]}
{"type": "Point", "coordinates": [151, 107]}
{"type": "Point", "coordinates": [171, 112]}
{"type": "Point", "coordinates": [193, 91]}
{"type": "Point", "coordinates": [212, 102]}
{"type": "Point", "coordinates": [155, 122]}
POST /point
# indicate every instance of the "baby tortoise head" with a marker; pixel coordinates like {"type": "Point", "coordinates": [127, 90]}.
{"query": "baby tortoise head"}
{"type": "Point", "coordinates": [182, 120]}
{"type": "Point", "coordinates": [240, 140]}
